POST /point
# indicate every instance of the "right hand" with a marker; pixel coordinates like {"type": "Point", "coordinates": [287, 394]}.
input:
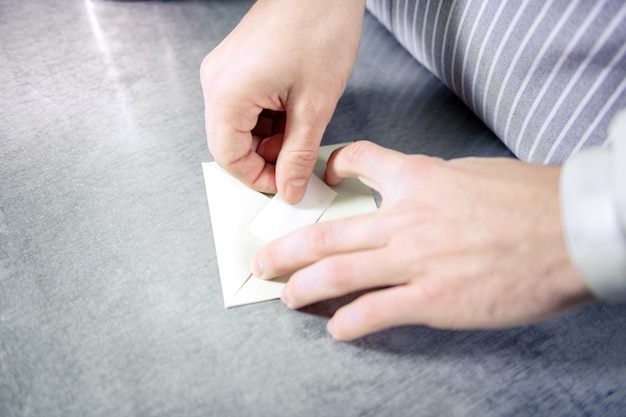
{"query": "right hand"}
{"type": "Point", "coordinates": [462, 244]}
{"type": "Point", "coordinates": [285, 58]}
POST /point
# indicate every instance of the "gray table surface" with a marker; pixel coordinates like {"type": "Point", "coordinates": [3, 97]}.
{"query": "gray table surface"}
{"type": "Point", "coordinates": [110, 301]}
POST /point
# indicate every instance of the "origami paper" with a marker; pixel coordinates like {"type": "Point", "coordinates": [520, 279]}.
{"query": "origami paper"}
{"type": "Point", "coordinates": [279, 218]}
{"type": "Point", "coordinates": [233, 207]}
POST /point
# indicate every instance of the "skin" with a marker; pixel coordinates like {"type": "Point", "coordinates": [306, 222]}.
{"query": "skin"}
{"type": "Point", "coordinates": [467, 243]}
{"type": "Point", "coordinates": [267, 100]}
{"type": "Point", "coordinates": [463, 244]}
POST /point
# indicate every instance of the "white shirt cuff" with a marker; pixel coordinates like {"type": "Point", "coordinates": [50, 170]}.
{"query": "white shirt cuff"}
{"type": "Point", "coordinates": [591, 193]}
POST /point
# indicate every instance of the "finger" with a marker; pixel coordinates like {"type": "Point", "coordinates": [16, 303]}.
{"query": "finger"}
{"type": "Point", "coordinates": [264, 127]}
{"type": "Point", "coordinates": [339, 275]}
{"type": "Point", "coordinates": [375, 311]}
{"type": "Point", "coordinates": [269, 123]}
{"type": "Point", "coordinates": [250, 167]}
{"type": "Point", "coordinates": [375, 166]}
{"type": "Point", "coordinates": [230, 117]}
{"type": "Point", "coordinates": [231, 143]}
{"type": "Point", "coordinates": [312, 243]}
{"type": "Point", "coordinates": [269, 148]}
{"type": "Point", "coordinates": [306, 122]}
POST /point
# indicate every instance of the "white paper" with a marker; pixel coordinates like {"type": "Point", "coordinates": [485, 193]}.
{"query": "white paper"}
{"type": "Point", "coordinates": [233, 206]}
{"type": "Point", "coordinates": [279, 218]}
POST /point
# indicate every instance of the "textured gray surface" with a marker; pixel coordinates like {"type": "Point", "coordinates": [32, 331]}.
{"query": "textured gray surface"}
{"type": "Point", "coordinates": [110, 302]}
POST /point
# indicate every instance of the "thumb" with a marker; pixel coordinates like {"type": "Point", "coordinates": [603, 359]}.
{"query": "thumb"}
{"type": "Point", "coordinates": [375, 166]}
{"type": "Point", "coordinates": [305, 126]}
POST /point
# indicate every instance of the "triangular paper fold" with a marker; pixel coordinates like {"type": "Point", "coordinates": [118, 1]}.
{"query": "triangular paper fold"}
{"type": "Point", "coordinates": [233, 206]}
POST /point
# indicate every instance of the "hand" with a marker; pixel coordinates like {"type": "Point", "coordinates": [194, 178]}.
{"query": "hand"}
{"type": "Point", "coordinates": [469, 243]}
{"type": "Point", "coordinates": [271, 87]}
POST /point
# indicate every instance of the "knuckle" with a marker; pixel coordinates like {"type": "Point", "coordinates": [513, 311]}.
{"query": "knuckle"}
{"type": "Point", "coordinates": [206, 65]}
{"type": "Point", "coordinates": [363, 316]}
{"type": "Point", "coordinates": [303, 157]}
{"type": "Point", "coordinates": [417, 173]}
{"type": "Point", "coordinates": [357, 151]}
{"type": "Point", "coordinates": [216, 81]}
{"type": "Point", "coordinates": [340, 275]}
{"type": "Point", "coordinates": [423, 167]}
{"type": "Point", "coordinates": [215, 148]}
{"type": "Point", "coordinates": [208, 70]}
{"type": "Point", "coordinates": [375, 310]}
{"type": "Point", "coordinates": [321, 237]}
{"type": "Point", "coordinates": [317, 107]}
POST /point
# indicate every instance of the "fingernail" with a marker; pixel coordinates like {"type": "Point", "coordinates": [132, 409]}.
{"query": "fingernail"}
{"type": "Point", "coordinates": [284, 297]}
{"type": "Point", "coordinates": [295, 190]}
{"type": "Point", "coordinates": [257, 267]}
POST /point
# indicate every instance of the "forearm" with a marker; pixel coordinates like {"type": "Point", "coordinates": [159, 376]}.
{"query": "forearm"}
{"type": "Point", "coordinates": [593, 198]}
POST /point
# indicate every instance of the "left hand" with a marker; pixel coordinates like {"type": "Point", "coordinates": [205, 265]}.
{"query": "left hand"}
{"type": "Point", "coordinates": [466, 243]}
{"type": "Point", "coordinates": [271, 87]}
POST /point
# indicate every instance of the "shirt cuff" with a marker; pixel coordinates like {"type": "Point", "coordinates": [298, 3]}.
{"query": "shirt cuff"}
{"type": "Point", "coordinates": [592, 224]}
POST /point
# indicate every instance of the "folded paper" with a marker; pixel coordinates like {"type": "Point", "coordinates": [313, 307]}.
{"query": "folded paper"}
{"type": "Point", "coordinates": [233, 207]}
{"type": "Point", "coordinates": [279, 218]}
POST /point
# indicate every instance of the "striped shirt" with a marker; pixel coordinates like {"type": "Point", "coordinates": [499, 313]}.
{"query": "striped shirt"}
{"type": "Point", "coordinates": [546, 76]}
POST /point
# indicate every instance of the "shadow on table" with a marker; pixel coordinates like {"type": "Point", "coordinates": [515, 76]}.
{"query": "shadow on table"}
{"type": "Point", "coordinates": [592, 336]}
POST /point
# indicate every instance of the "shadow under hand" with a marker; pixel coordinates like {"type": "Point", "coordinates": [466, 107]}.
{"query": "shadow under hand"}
{"type": "Point", "coordinates": [591, 336]}
{"type": "Point", "coordinates": [328, 308]}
